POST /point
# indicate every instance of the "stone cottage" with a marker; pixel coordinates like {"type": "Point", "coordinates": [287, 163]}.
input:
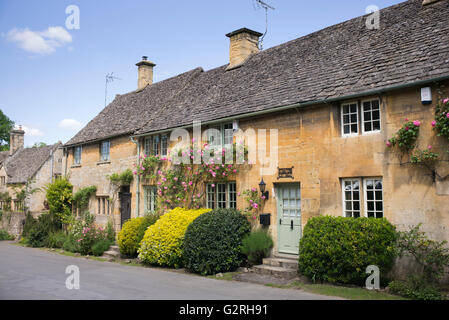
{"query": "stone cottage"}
{"type": "Point", "coordinates": [328, 102]}
{"type": "Point", "coordinates": [26, 169]}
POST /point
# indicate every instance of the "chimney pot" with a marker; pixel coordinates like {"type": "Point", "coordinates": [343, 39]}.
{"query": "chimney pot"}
{"type": "Point", "coordinates": [243, 43]}
{"type": "Point", "coordinates": [144, 73]}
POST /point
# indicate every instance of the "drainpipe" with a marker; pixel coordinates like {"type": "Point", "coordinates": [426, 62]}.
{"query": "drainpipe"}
{"type": "Point", "coordinates": [138, 177]}
{"type": "Point", "coordinates": [51, 164]}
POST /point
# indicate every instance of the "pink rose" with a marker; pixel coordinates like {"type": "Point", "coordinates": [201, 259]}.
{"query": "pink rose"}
{"type": "Point", "coordinates": [407, 128]}
{"type": "Point", "coordinates": [416, 123]}
{"type": "Point", "coordinates": [429, 147]}
{"type": "Point", "coordinates": [388, 144]}
{"type": "Point", "coordinates": [446, 100]}
{"type": "Point", "coordinates": [447, 115]}
{"type": "Point", "coordinates": [434, 123]}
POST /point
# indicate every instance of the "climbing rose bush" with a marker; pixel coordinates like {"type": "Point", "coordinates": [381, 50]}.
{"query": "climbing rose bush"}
{"type": "Point", "coordinates": [406, 137]}
{"type": "Point", "coordinates": [441, 123]}
{"type": "Point", "coordinates": [162, 242]}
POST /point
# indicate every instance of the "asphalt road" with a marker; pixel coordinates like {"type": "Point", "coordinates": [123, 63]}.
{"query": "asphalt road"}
{"type": "Point", "coordinates": [27, 273]}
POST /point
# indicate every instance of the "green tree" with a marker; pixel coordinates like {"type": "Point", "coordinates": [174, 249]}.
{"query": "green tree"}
{"type": "Point", "coordinates": [6, 126]}
{"type": "Point", "coordinates": [39, 145]}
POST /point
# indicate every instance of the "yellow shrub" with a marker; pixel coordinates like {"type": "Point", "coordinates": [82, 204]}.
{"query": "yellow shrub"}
{"type": "Point", "coordinates": [132, 233]}
{"type": "Point", "coordinates": [162, 242]}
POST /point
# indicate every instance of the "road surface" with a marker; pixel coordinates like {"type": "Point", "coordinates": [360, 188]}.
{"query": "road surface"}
{"type": "Point", "coordinates": [28, 273]}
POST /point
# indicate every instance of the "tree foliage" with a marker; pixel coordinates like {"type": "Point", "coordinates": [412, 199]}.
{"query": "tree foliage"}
{"type": "Point", "coordinates": [6, 125]}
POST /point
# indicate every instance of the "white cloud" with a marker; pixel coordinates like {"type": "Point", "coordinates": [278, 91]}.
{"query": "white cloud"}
{"type": "Point", "coordinates": [41, 42]}
{"type": "Point", "coordinates": [33, 132]}
{"type": "Point", "coordinates": [70, 124]}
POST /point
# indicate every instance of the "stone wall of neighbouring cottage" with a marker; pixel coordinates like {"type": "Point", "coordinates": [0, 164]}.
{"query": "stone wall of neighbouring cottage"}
{"type": "Point", "coordinates": [93, 172]}
{"type": "Point", "coordinates": [13, 222]}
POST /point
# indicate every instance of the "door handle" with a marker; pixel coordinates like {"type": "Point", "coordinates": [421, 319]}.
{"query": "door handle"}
{"type": "Point", "coordinates": [291, 224]}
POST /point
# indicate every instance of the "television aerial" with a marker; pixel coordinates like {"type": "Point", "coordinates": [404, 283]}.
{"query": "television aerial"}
{"type": "Point", "coordinates": [262, 4]}
{"type": "Point", "coordinates": [109, 78]}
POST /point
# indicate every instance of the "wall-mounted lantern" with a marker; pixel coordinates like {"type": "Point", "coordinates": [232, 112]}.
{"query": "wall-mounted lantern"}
{"type": "Point", "coordinates": [262, 187]}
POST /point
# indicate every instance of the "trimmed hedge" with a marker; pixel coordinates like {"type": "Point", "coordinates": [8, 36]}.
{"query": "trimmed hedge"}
{"type": "Point", "coordinates": [338, 249]}
{"type": "Point", "coordinates": [213, 242]}
{"type": "Point", "coordinates": [162, 242]}
{"type": "Point", "coordinates": [132, 233]}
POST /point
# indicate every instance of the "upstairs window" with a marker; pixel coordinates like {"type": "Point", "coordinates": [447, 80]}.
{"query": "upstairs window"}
{"type": "Point", "coordinates": [350, 119]}
{"type": "Point", "coordinates": [77, 156]}
{"type": "Point", "coordinates": [156, 145]}
{"type": "Point", "coordinates": [226, 135]}
{"type": "Point", "coordinates": [105, 150]}
{"type": "Point", "coordinates": [365, 116]}
{"type": "Point", "coordinates": [371, 116]}
{"type": "Point", "coordinates": [3, 181]}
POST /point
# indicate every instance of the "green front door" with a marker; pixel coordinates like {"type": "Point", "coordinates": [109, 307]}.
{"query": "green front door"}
{"type": "Point", "coordinates": [289, 217]}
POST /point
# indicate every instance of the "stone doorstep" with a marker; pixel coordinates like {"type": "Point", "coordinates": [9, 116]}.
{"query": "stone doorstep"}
{"type": "Point", "coordinates": [281, 262]}
{"type": "Point", "coordinates": [278, 272]}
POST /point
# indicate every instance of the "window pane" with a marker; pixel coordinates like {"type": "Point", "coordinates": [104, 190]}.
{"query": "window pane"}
{"type": "Point", "coordinates": [164, 145]}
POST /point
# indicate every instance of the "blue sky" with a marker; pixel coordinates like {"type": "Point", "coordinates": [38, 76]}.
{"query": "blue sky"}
{"type": "Point", "coordinates": [52, 80]}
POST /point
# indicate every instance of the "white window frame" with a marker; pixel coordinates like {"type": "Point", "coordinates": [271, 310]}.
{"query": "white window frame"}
{"type": "Point", "coordinates": [365, 195]}
{"type": "Point", "coordinates": [363, 117]}
{"type": "Point", "coordinates": [352, 197]}
{"type": "Point", "coordinates": [164, 151]}
{"type": "Point", "coordinates": [147, 145]}
{"type": "Point", "coordinates": [150, 195]}
{"type": "Point", "coordinates": [350, 134]}
{"type": "Point", "coordinates": [75, 162]}
{"type": "Point", "coordinates": [215, 195]}
{"type": "Point", "coordinates": [221, 127]}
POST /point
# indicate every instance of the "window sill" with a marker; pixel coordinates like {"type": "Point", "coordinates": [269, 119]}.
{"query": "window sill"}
{"type": "Point", "coordinates": [103, 162]}
{"type": "Point", "coordinates": [76, 166]}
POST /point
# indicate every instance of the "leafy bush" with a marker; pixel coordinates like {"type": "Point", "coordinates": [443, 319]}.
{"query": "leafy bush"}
{"type": "Point", "coordinates": [59, 198]}
{"type": "Point", "coordinates": [432, 256]}
{"type": "Point", "coordinates": [337, 249]}
{"type": "Point", "coordinates": [256, 246]}
{"type": "Point", "coordinates": [55, 240]}
{"type": "Point", "coordinates": [110, 232]}
{"type": "Point", "coordinates": [70, 244]}
{"type": "Point", "coordinates": [4, 235]}
{"type": "Point", "coordinates": [100, 247]}
{"type": "Point", "coordinates": [162, 242]}
{"type": "Point", "coordinates": [82, 196]}
{"type": "Point", "coordinates": [415, 288]}
{"type": "Point", "coordinates": [89, 237]}
{"type": "Point", "coordinates": [30, 222]}
{"type": "Point", "coordinates": [132, 233]}
{"type": "Point", "coordinates": [213, 242]}
{"type": "Point", "coordinates": [46, 224]}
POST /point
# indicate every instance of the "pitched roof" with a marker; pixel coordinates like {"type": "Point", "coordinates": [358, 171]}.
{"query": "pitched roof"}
{"type": "Point", "coordinates": [3, 156]}
{"type": "Point", "coordinates": [411, 45]}
{"type": "Point", "coordinates": [25, 162]}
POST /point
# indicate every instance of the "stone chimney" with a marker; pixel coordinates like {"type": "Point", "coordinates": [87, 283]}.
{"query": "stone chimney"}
{"type": "Point", "coordinates": [16, 140]}
{"type": "Point", "coordinates": [145, 73]}
{"type": "Point", "coordinates": [243, 43]}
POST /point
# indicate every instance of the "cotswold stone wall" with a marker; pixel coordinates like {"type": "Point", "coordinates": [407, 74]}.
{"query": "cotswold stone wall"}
{"type": "Point", "coordinates": [93, 172]}
{"type": "Point", "coordinates": [12, 222]}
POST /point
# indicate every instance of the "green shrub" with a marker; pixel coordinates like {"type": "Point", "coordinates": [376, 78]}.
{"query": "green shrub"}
{"type": "Point", "coordinates": [132, 234]}
{"type": "Point", "coordinates": [42, 228]}
{"type": "Point", "coordinates": [415, 288]}
{"type": "Point", "coordinates": [30, 222]}
{"type": "Point", "coordinates": [70, 244]}
{"type": "Point", "coordinates": [55, 240]}
{"type": "Point", "coordinates": [4, 235]}
{"type": "Point", "coordinates": [338, 250]}
{"type": "Point", "coordinates": [162, 242]}
{"type": "Point", "coordinates": [256, 246]}
{"type": "Point", "coordinates": [213, 242]}
{"type": "Point", "coordinates": [90, 236]}
{"type": "Point", "coordinates": [59, 198]}
{"type": "Point", "coordinates": [110, 232]}
{"type": "Point", "coordinates": [100, 247]}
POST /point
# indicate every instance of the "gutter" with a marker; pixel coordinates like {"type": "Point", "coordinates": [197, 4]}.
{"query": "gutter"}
{"type": "Point", "coordinates": [138, 177]}
{"type": "Point", "coordinates": [302, 105]}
